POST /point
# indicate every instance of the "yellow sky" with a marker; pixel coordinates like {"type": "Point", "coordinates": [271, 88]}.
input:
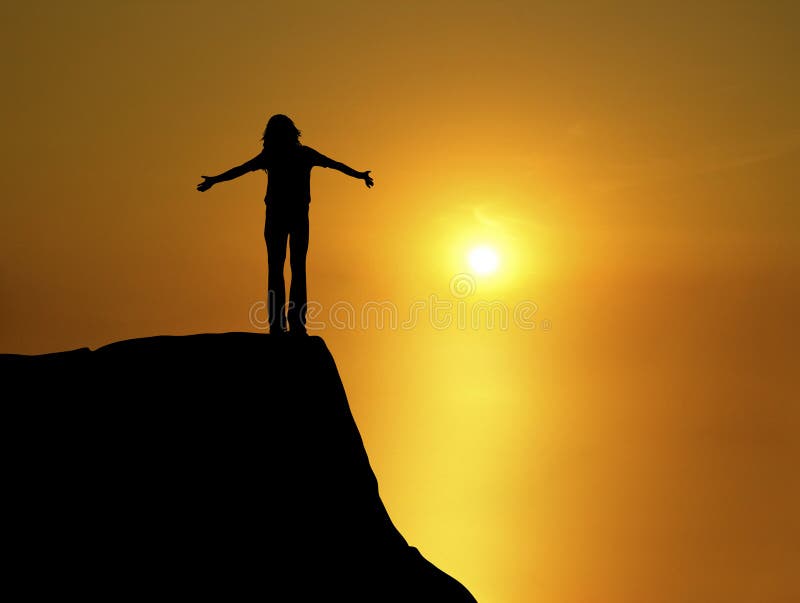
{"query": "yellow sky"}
{"type": "Point", "coordinates": [636, 167]}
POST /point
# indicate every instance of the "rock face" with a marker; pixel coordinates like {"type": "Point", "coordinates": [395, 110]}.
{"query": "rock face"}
{"type": "Point", "coordinates": [227, 467]}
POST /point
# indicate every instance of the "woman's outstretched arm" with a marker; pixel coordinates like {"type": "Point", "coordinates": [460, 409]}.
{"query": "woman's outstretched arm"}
{"type": "Point", "coordinates": [239, 170]}
{"type": "Point", "coordinates": [346, 169]}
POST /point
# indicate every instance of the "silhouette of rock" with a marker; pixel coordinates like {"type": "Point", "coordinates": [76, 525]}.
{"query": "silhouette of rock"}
{"type": "Point", "coordinates": [223, 466]}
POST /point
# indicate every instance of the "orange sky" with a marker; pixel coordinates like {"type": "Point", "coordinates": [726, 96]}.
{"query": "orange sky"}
{"type": "Point", "coordinates": [634, 165]}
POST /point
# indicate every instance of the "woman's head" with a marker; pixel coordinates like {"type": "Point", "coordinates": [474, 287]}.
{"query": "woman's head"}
{"type": "Point", "coordinates": [280, 132]}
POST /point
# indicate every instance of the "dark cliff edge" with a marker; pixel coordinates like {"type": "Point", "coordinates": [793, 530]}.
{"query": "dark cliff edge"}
{"type": "Point", "coordinates": [222, 465]}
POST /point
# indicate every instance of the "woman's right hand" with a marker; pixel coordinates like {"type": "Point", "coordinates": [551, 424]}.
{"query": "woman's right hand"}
{"type": "Point", "coordinates": [367, 178]}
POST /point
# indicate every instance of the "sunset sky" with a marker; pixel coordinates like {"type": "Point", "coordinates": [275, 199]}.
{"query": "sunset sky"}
{"type": "Point", "coordinates": [634, 166]}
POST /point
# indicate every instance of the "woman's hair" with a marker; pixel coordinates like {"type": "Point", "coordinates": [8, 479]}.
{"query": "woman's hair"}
{"type": "Point", "coordinates": [280, 133]}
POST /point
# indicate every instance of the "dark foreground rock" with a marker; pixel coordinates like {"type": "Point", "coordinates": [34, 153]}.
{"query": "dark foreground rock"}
{"type": "Point", "coordinates": [225, 467]}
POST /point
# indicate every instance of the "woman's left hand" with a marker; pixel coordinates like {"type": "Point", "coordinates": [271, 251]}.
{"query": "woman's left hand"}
{"type": "Point", "coordinates": [207, 183]}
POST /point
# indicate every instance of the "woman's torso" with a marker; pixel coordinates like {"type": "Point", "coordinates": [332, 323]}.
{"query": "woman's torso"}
{"type": "Point", "coordinates": [289, 183]}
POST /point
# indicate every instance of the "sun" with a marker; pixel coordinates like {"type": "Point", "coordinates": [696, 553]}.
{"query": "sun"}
{"type": "Point", "coordinates": [483, 260]}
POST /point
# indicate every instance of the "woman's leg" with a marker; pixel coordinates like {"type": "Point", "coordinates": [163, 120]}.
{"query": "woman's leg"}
{"type": "Point", "coordinates": [298, 295]}
{"type": "Point", "coordinates": [275, 235]}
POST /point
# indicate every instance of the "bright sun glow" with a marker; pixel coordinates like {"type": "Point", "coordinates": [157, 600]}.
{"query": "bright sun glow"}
{"type": "Point", "coordinates": [483, 260]}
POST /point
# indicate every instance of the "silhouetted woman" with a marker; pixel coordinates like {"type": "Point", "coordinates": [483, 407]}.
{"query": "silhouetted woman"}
{"type": "Point", "coordinates": [288, 164]}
